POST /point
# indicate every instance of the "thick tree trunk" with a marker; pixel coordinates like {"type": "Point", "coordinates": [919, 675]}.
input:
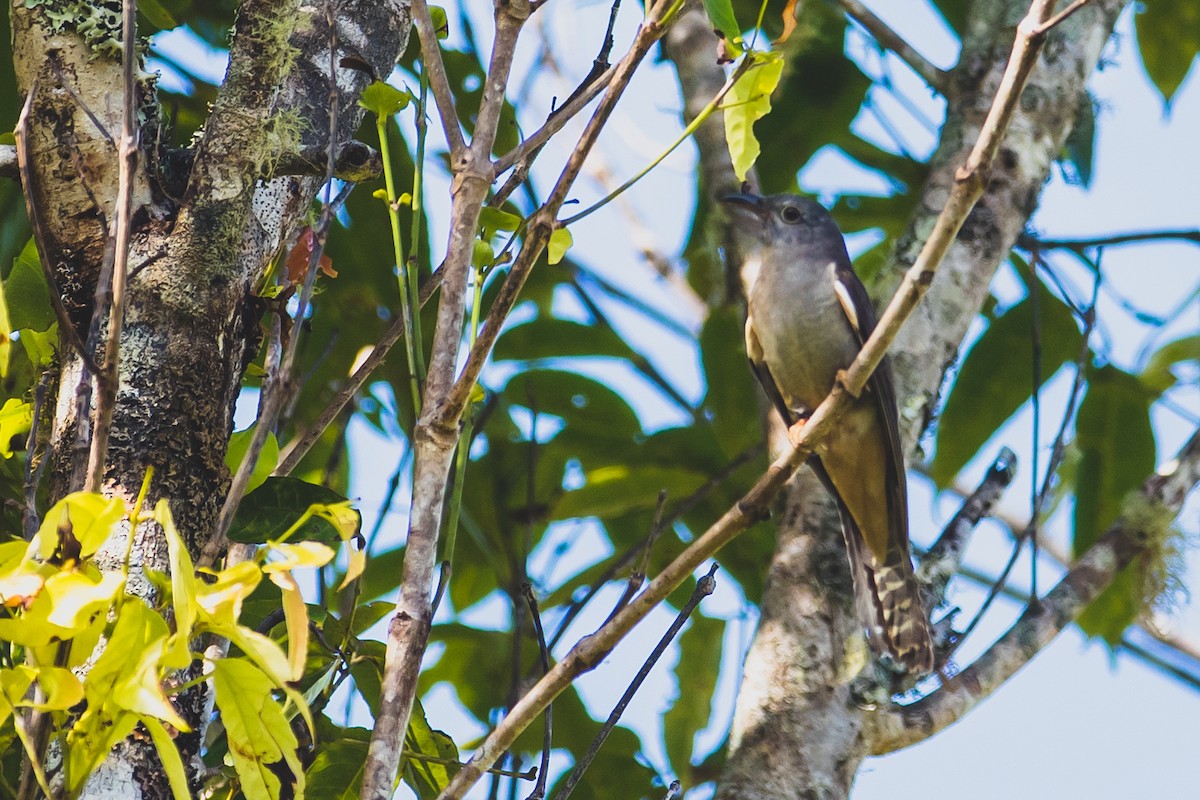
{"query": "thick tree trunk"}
{"type": "Point", "coordinates": [200, 241]}
{"type": "Point", "coordinates": [797, 731]}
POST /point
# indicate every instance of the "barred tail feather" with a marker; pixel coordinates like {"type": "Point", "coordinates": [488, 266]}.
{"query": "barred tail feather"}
{"type": "Point", "coordinates": [888, 600]}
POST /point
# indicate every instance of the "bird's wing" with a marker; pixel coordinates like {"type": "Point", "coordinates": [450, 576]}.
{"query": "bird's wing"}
{"type": "Point", "coordinates": [758, 365]}
{"type": "Point", "coordinates": [856, 304]}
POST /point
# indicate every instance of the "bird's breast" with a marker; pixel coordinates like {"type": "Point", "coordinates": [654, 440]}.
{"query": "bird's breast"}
{"type": "Point", "coordinates": [805, 335]}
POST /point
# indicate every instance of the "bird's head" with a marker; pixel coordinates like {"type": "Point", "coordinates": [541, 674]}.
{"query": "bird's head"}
{"type": "Point", "coordinates": [796, 225]}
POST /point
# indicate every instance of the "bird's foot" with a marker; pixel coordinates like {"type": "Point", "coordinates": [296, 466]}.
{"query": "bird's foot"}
{"type": "Point", "coordinates": [796, 430]}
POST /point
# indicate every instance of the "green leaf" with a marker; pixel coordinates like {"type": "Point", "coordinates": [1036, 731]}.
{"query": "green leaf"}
{"type": "Point", "coordinates": [747, 102]}
{"type": "Point", "coordinates": [696, 674]}
{"type": "Point", "coordinates": [549, 337]}
{"type": "Point", "coordinates": [1117, 452]}
{"type": "Point", "coordinates": [560, 242]}
{"type": "Point", "coordinates": [1080, 147]}
{"type": "Point", "coordinates": [493, 220]}
{"type": "Point", "coordinates": [1168, 37]}
{"type": "Point", "coordinates": [426, 778]}
{"type": "Point", "coordinates": [337, 771]}
{"type": "Point", "coordinates": [271, 509]}
{"type": "Point", "coordinates": [621, 488]}
{"type": "Point", "coordinates": [268, 457]}
{"type": "Point", "coordinates": [720, 13]}
{"type": "Point", "coordinates": [383, 99]}
{"type": "Point", "coordinates": [157, 14]}
{"type": "Point", "coordinates": [441, 26]}
{"type": "Point", "coordinates": [260, 739]}
{"type": "Point", "coordinates": [482, 254]}
{"type": "Point", "coordinates": [996, 378]}
{"type": "Point", "coordinates": [1158, 376]}
{"type": "Point", "coordinates": [26, 293]}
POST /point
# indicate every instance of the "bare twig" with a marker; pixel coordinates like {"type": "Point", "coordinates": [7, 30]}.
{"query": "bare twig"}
{"type": "Point", "coordinates": [704, 587]}
{"type": "Point", "coordinates": [439, 83]}
{"type": "Point", "coordinates": [1029, 242]}
{"type": "Point", "coordinates": [436, 433]}
{"type": "Point", "coordinates": [894, 727]}
{"type": "Point", "coordinates": [108, 378]}
{"type": "Point", "coordinates": [539, 789]}
{"type": "Point", "coordinates": [888, 38]}
{"type": "Point", "coordinates": [1056, 456]}
{"type": "Point", "coordinates": [968, 188]}
{"type": "Point", "coordinates": [33, 475]}
{"type": "Point", "coordinates": [941, 562]}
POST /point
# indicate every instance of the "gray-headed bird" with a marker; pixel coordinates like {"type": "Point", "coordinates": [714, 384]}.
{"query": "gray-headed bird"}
{"type": "Point", "coordinates": [808, 316]}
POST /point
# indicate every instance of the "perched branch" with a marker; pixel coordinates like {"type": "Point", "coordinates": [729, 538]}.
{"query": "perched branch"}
{"type": "Point", "coordinates": [1162, 495]}
{"type": "Point", "coordinates": [886, 37]}
{"type": "Point", "coordinates": [753, 505]}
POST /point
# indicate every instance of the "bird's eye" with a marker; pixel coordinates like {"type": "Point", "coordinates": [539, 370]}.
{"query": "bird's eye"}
{"type": "Point", "coordinates": [790, 214]}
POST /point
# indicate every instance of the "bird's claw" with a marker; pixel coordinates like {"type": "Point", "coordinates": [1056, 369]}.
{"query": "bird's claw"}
{"type": "Point", "coordinates": [795, 432]}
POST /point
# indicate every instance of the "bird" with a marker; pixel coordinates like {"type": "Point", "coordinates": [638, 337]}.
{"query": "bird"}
{"type": "Point", "coordinates": [808, 315]}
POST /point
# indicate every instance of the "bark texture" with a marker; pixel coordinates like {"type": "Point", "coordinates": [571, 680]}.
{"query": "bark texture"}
{"type": "Point", "coordinates": [202, 236]}
{"type": "Point", "coordinates": [807, 740]}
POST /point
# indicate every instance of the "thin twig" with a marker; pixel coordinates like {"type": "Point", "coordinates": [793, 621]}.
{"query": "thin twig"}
{"type": "Point", "coordinates": [944, 558]}
{"type": "Point", "coordinates": [704, 587]}
{"type": "Point", "coordinates": [33, 475]}
{"type": "Point", "coordinates": [1029, 242]}
{"type": "Point", "coordinates": [1056, 456]}
{"type": "Point", "coordinates": [936, 77]}
{"type": "Point", "coordinates": [435, 435]}
{"type": "Point", "coordinates": [539, 789]}
{"type": "Point", "coordinates": [108, 379]}
{"type": "Point", "coordinates": [439, 83]}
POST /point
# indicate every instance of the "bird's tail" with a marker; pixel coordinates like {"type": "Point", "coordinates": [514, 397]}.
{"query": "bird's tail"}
{"type": "Point", "coordinates": [888, 599]}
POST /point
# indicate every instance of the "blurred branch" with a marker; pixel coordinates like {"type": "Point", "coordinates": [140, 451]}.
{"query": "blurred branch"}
{"type": "Point", "coordinates": [936, 77]}
{"type": "Point", "coordinates": [943, 560]}
{"type": "Point", "coordinates": [895, 727]}
{"type": "Point", "coordinates": [1031, 242]}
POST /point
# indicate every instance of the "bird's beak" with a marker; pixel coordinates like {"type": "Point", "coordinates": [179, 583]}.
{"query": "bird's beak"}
{"type": "Point", "coordinates": [746, 205]}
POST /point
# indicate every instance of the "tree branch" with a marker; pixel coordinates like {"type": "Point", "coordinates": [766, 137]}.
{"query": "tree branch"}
{"type": "Point", "coordinates": [933, 75]}
{"type": "Point", "coordinates": [1139, 528]}
{"type": "Point", "coordinates": [1031, 242]}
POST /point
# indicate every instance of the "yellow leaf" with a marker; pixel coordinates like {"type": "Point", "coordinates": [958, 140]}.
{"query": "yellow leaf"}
{"type": "Point", "coordinates": [356, 562]}
{"type": "Point", "coordinates": [264, 651]}
{"type": "Point", "coordinates": [748, 101]}
{"type": "Point", "coordinates": [127, 675]}
{"type": "Point", "coordinates": [168, 754]}
{"type": "Point", "coordinates": [220, 602]}
{"type": "Point", "coordinates": [258, 731]}
{"type": "Point", "coordinates": [63, 690]}
{"type": "Point", "coordinates": [560, 242]}
{"type": "Point", "coordinates": [90, 518]}
{"type": "Point", "coordinates": [183, 574]}
{"type": "Point", "coordinates": [76, 597]}
{"type": "Point", "coordinates": [16, 416]}
{"type": "Point", "coordinates": [296, 614]}
{"type": "Point", "coordinates": [299, 554]}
